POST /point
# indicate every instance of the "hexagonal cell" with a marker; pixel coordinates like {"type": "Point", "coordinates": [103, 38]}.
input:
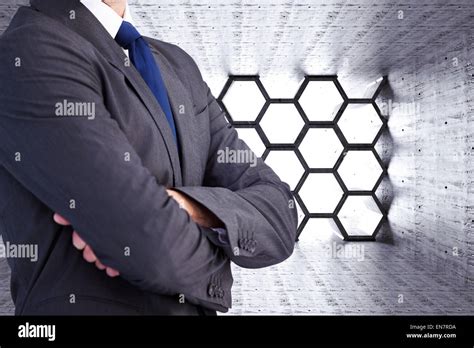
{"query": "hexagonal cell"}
{"type": "Point", "coordinates": [360, 215]}
{"type": "Point", "coordinates": [360, 123]}
{"type": "Point", "coordinates": [360, 170]}
{"type": "Point", "coordinates": [321, 193]}
{"type": "Point", "coordinates": [287, 166]}
{"type": "Point", "coordinates": [321, 148]}
{"type": "Point", "coordinates": [252, 139]}
{"type": "Point", "coordinates": [321, 100]}
{"type": "Point", "coordinates": [244, 101]}
{"type": "Point", "coordinates": [282, 123]}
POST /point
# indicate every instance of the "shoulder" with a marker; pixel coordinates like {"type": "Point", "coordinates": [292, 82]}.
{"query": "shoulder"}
{"type": "Point", "coordinates": [181, 61]}
{"type": "Point", "coordinates": [34, 34]}
{"type": "Point", "coordinates": [37, 48]}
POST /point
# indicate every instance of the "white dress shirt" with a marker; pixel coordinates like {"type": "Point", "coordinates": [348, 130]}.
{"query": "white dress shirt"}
{"type": "Point", "coordinates": [109, 19]}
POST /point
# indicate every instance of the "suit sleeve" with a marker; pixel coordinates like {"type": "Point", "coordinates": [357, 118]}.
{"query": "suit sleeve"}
{"type": "Point", "coordinates": [257, 208]}
{"type": "Point", "coordinates": [85, 169]}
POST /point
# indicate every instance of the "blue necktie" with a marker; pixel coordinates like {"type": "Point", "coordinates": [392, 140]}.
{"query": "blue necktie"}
{"type": "Point", "coordinates": [142, 58]}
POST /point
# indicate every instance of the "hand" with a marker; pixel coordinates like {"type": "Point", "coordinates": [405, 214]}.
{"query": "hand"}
{"type": "Point", "coordinates": [198, 213]}
{"type": "Point", "coordinates": [87, 251]}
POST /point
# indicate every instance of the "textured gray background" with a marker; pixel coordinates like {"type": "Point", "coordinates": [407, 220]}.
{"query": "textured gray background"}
{"type": "Point", "coordinates": [428, 57]}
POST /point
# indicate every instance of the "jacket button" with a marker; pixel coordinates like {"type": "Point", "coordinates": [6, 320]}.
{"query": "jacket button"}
{"type": "Point", "coordinates": [252, 246]}
{"type": "Point", "coordinates": [243, 243]}
{"type": "Point", "coordinates": [211, 290]}
{"type": "Point", "coordinates": [248, 245]}
{"type": "Point", "coordinates": [220, 292]}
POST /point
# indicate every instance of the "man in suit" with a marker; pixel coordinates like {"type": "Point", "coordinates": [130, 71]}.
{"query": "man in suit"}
{"type": "Point", "coordinates": [117, 136]}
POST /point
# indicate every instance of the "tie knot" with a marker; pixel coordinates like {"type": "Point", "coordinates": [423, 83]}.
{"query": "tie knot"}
{"type": "Point", "coordinates": [127, 34]}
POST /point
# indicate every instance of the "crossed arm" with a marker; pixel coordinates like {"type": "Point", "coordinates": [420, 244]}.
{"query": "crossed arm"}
{"type": "Point", "coordinates": [66, 159]}
{"type": "Point", "coordinates": [197, 212]}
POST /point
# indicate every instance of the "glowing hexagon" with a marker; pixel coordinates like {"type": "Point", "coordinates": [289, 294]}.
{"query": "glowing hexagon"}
{"type": "Point", "coordinates": [321, 148]}
{"type": "Point", "coordinates": [287, 166]}
{"type": "Point", "coordinates": [360, 170]}
{"type": "Point", "coordinates": [282, 123]}
{"type": "Point", "coordinates": [321, 100]}
{"type": "Point", "coordinates": [252, 139]}
{"type": "Point", "coordinates": [360, 123]}
{"type": "Point", "coordinates": [321, 193]}
{"type": "Point", "coordinates": [360, 215]}
{"type": "Point", "coordinates": [244, 101]}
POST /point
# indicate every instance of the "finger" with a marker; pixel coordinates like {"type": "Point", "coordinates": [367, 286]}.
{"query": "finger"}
{"type": "Point", "coordinates": [100, 265]}
{"type": "Point", "coordinates": [60, 220]}
{"type": "Point", "coordinates": [78, 242]}
{"type": "Point", "coordinates": [89, 255]}
{"type": "Point", "coordinates": [112, 272]}
{"type": "Point", "coordinates": [182, 204]}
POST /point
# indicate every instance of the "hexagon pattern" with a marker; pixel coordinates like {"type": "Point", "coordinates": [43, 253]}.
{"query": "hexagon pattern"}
{"type": "Point", "coordinates": [360, 123]}
{"type": "Point", "coordinates": [321, 193]}
{"type": "Point", "coordinates": [321, 148]}
{"type": "Point", "coordinates": [282, 114]}
{"type": "Point", "coordinates": [321, 100]}
{"type": "Point", "coordinates": [286, 165]}
{"type": "Point", "coordinates": [356, 207]}
{"type": "Point", "coordinates": [322, 136]}
{"type": "Point", "coordinates": [360, 170]}
{"type": "Point", "coordinates": [244, 101]}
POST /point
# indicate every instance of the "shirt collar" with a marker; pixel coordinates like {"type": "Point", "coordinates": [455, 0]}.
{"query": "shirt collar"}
{"type": "Point", "coordinates": [109, 19]}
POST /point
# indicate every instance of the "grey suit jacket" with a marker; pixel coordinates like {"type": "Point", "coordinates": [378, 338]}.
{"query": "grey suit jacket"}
{"type": "Point", "coordinates": [107, 174]}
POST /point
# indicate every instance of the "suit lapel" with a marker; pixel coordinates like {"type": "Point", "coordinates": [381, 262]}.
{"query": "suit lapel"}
{"type": "Point", "coordinates": [183, 111]}
{"type": "Point", "coordinates": [78, 18]}
{"type": "Point", "coordinates": [156, 112]}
